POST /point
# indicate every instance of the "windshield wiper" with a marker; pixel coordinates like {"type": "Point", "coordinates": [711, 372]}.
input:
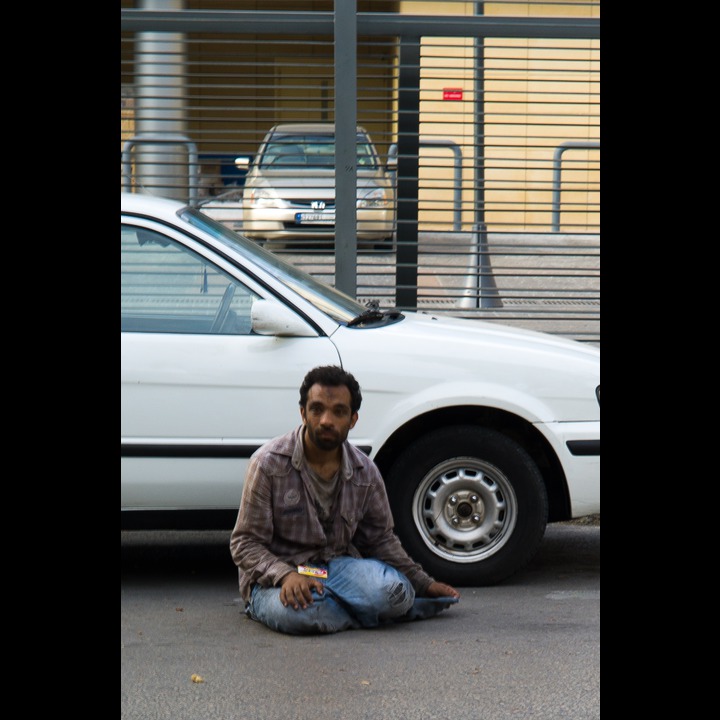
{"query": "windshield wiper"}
{"type": "Point", "coordinates": [373, 313]}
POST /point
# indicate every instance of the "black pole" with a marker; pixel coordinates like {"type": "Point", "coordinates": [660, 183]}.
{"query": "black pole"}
{"type": "Point", "coordinates": [406, 272]}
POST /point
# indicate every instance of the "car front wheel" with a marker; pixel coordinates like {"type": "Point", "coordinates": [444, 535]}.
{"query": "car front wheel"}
{"type": "Point", "coordinates": [469, 505]}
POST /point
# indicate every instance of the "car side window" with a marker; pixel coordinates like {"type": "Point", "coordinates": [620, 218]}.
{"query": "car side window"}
{"type": "Point", "coordinates": [365, 156]}
{"type": "Point", "coordinates": [168, 288]}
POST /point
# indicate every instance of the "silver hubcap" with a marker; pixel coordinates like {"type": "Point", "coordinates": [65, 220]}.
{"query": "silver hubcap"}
{"type": "Point", "coordinates": [465, 510]}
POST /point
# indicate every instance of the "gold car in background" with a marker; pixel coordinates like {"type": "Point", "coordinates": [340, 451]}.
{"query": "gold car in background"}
{"type": "Point", "coordinates": [289, 191]}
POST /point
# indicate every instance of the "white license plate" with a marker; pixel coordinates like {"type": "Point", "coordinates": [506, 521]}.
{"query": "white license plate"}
{"type": "Point", "coordinates": [316, 218]}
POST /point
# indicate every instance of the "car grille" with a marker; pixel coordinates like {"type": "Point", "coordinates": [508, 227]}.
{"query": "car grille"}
{"type": "Point", "coordinates": [308, 204]}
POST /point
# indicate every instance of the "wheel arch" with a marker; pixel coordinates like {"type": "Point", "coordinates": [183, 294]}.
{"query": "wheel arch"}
{"type": "Point", "coordinates": [502, 421]}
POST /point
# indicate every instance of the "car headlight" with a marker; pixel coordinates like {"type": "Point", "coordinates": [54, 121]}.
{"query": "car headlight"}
{"type": "Point", "coordinates": [375, 198]}
{"type": "Point", "coordinates": [262, 197]}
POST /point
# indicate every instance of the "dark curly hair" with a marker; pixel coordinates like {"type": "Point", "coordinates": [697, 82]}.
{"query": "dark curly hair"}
{"type": "Point", "coordinates": [333, 376]}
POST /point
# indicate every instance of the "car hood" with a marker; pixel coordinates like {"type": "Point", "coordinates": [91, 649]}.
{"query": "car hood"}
{"type": "Point", "coordinates": [472, 361]}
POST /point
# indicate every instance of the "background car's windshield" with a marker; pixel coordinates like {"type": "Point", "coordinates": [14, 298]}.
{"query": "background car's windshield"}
{"type": "Point", "coordinates": [312, 150]}
{"type": "Point", "coordinates": [339, 306]}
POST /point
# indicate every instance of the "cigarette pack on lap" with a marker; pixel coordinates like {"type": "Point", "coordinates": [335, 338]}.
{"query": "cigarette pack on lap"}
{"type": "Point", "coordinates": [318, 571]}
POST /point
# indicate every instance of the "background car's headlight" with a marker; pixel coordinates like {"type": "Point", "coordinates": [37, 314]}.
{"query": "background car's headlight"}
{"type": "Point", "coordinates": [375, 198]}
{"type": "Point", "coordinates": [260, 197]}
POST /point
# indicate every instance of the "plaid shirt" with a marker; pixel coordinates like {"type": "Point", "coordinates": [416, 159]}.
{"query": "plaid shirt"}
{"type": "Point", "coordinates": [278, 527]}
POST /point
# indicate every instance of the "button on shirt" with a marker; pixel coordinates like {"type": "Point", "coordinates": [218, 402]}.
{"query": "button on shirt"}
{"type": "Point", "coordinates": [278, 527]}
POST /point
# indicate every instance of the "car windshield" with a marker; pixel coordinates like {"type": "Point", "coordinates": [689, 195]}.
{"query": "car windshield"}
{"type": "Point", "coordinates": [339, 306]}
{"type": "Point", "coordinates": [312, 150]}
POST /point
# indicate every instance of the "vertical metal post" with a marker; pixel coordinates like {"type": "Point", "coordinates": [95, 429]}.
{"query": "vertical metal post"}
{"type": "Point", "coordinates": [488, 296]}
{"type": "Point", "coordinates": [406, 272]}
{"type": "Point", "coordinates": [457, 179]}
{"type": "Point", "coordinates": [346, 146]}
{"type": "Point", "coordinates": [557, 170]}
{"type": "Point", "coordinates": [193, 167]}
{"type": "Point", "coordinates": [480, 228]}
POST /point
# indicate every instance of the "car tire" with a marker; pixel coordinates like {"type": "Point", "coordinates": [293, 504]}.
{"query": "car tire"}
{"type": "Point", "coordinates": [469, 504]}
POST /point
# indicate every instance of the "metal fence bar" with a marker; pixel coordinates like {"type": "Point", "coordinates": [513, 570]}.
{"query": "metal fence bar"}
{"type": "Point", "coordinates": [150, 139]}
{"type": "Point", "coordinates": [557, 170]}
{"type": "Point", "coordinates": [345, 150]}
{"type": "Point", "coordinates": [457, 169]}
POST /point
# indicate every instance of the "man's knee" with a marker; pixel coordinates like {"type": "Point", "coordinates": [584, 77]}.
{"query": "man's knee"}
{"type": "Point", "coordinates": [401, 595]}
{"type": "Point", "coordinates": [397, 593]}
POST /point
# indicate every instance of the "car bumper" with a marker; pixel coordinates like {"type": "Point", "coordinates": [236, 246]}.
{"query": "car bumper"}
{"type": "Point", "coordinates": [577, 445]}
{"type": "Point", "coordinates": [277, 223]}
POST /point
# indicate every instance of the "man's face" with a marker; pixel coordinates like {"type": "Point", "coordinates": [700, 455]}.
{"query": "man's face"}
{"type": "Point", "coordinates": [327, 416]}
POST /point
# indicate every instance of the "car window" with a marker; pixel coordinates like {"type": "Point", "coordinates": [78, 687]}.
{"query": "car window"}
{"type": "Point", "coordinates": [167, 288]}
{"type": "Point", "coordinates": [311, 150]}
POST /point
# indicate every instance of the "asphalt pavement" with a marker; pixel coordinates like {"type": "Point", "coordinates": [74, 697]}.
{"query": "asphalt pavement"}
{"type": "Point", "coordinates": [528, 648]}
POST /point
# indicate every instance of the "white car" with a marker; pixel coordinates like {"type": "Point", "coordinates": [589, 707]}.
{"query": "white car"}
{"type": "Point", "coordinates": [483, 433]}
{"type": "Point", "coordinates": [289, 190]}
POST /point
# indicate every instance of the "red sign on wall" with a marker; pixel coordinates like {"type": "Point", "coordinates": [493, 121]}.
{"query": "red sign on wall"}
{"type": "Point", "coordinates": [452, 93]}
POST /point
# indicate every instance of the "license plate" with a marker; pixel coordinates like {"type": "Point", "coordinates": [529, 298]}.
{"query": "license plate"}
{"type": "Point", "coordinates": [316, 218]}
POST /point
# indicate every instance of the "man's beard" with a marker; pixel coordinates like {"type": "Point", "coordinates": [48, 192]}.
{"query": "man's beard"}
{"type": "Point", "coordinates": [332, 440]}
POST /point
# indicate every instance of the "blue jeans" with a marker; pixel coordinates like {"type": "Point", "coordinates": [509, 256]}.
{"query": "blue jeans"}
{"type": "Point", "coordinates": [358, 594]}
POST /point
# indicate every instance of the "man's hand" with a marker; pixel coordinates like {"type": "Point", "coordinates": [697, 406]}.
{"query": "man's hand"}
{"type": "Point", "coordinates": [438, 589]}
{"type": "Point", "coordinates": [296, 590]}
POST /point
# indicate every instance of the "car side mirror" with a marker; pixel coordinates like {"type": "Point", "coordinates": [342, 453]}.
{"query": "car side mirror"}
{"type": "Point", "coordinates": [242, 162]}
{"type": "Point", "coordinates": [271, 318]}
